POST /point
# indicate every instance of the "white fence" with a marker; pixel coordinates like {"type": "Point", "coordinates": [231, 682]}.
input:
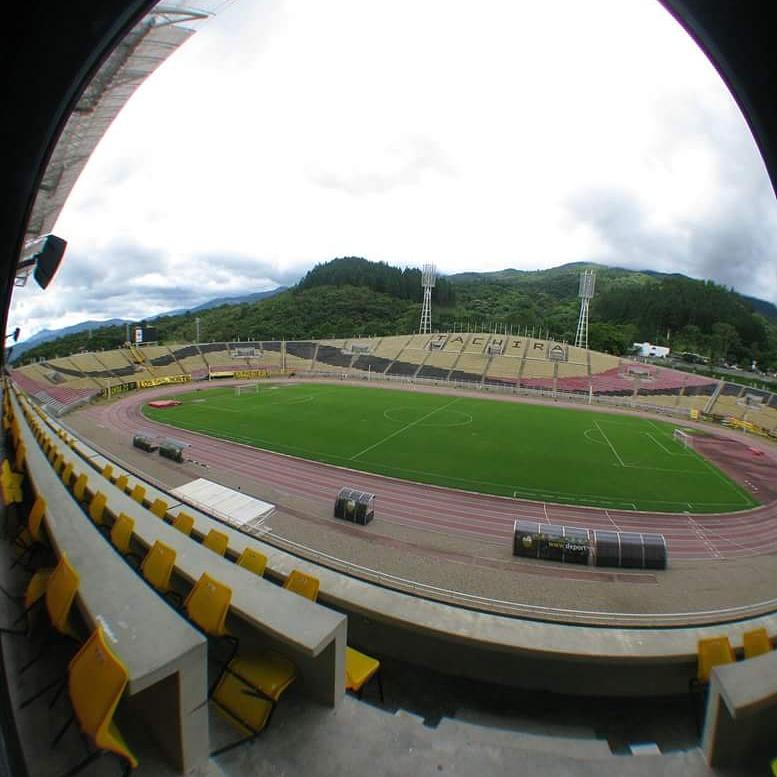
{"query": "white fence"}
{"type": "Point", "coordinates": [492, 388]}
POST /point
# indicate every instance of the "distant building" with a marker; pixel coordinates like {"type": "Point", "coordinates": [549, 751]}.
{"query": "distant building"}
{"type": "Point", "coordinates": [648, 349]}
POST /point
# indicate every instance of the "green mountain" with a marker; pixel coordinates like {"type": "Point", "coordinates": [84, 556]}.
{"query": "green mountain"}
{"type": "Point", "coordinates": [353, 296]}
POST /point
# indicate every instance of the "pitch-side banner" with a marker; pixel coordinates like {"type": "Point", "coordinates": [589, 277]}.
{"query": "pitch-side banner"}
{"type": "Point", "coordinates": [151, 382]}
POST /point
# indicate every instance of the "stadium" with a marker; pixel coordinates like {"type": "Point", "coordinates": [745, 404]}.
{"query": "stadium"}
{"type": "Point", "coordinates": [439, 523]}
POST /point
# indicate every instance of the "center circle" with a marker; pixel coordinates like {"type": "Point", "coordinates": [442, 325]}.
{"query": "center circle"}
{"type": "Point", "coordinates": [440, 418]}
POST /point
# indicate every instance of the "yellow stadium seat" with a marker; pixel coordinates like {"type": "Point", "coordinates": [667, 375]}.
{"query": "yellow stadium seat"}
{"type": "Point", "coordinates": [267, 671]}
{"type": "Point", "coordinates": [121, 537]}
{"type": "Point", "coordinates": [359, 670]}
{"type": "Point", "coordinates": [33, 595]}
{"type": "Point", "coordinates": [184, 523]}
{"type": "Point", "coordinates": [159, 508]}
{"type": "Point", "coordinates": [32, 537]}
{"type": "Point", "coordinates": [756, 642]}
{"type": "Point", "coordinates": [29, 540]}
{"type": "Point", "coordinates": [121, 482]}
{"type": "Point", "coordinates": [712, 652]}
{"type": "Point", "coordinates": [253, 560]}
{"type": "Point", "coordinates": [11, 484]}
{"type": "Point", "coordinates": [79, 487]}
{"type": "Point", "coordinates": [207, 605]}
{"type": "Point", "coordinates": [248, 711]}
{"type": "Point", "coordinates": [97, 508]}
{"type": "Point", "coordinates": [60, 594]}
{"type": "Point", "coordinates": [138, 493]}
{"type": "Point", "coordinates": [61, 588]}
{"type": "Point", "coordinates": [216, 541]}
{"type": "Point", "coordinates": [36, 588]}
{"type": "Point", "coordinates": [249, 688]}
{"type": "Point", "coordinates": [157, 568]}
{"type": "Point", "coordinates": [302, 584]}
{"type": "Point", "coordinates": [96, 681]}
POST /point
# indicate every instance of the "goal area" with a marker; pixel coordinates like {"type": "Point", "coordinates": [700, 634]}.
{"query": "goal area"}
{"type": "Point", "coordinates": [684, 438]}
{"type": "Point", "coordinates": [250, 388]}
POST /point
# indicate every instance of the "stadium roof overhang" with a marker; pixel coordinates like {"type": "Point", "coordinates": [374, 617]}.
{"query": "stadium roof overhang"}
{"type": "Point", "coordinates": [136, 56]}
{"type": "Point", "coordinates": [76, 68]}
{"type": "Point", "coordinates": [50, 56]}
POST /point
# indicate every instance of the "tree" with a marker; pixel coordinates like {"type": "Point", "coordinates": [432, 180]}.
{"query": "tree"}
{"type": "Point", "coordinates": [725, 339]}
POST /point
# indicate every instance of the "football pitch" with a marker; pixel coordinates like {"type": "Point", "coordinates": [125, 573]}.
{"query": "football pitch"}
{"type": "Point", "coordinates": [547, 454]}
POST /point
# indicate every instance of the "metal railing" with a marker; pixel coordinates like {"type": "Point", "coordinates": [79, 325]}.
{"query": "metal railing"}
{"type": "Point", "coordinates": [627, 403]}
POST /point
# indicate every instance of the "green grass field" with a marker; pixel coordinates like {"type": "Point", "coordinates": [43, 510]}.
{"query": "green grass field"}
{"type": "Point", "coordinates": [507, 448]}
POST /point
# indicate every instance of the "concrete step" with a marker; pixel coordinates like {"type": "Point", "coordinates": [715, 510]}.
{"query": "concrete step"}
{"type": "Point", "coordinates": [522, 723]}
{"type": "Point", "coordinates": [473, 734]}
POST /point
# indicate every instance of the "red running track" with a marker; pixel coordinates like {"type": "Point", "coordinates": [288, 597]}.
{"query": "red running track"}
{"type": "Point", "coordinates": [478, 516]}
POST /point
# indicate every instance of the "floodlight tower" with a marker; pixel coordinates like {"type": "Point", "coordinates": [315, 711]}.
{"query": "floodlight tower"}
{"type": "Point", "coordinates": [428, 277]}
{"type": "Point", "coordinates": [586, 293]}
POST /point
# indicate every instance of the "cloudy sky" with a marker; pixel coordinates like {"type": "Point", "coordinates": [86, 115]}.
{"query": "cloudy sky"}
{"type": "Point", "coordinates": [477, 136]}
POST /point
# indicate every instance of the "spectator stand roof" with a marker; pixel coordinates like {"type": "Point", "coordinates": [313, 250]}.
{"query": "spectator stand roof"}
{"type": "Point", "coordinates": [150, 42]}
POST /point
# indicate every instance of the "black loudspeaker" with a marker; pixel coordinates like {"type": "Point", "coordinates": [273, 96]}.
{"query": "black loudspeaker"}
{"type": "Point", "coordinates": [144, 443]}
{"type": "Point", "coordinates": [355, 506]}
{"type": "Point", "coordinates": [171, 450]}
{"type": "Point", "coordinates": [47, 259]}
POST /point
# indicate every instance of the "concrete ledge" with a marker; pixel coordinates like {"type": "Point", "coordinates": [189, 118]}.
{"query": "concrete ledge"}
{"type": "Point", "coordinates": [741, 716]}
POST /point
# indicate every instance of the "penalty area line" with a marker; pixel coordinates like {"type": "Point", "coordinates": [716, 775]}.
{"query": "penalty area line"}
{"type": "Point", "coordinates": [659, 444]}
{"type": "Point", "coordinates": [607, 440]}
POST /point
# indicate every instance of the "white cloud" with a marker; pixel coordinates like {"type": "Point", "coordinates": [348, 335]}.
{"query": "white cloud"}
{"type": "Point", "coordinates": [477, 136]}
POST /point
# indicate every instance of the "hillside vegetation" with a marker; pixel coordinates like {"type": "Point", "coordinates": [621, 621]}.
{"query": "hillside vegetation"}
{"type": "Point", "coordinates": [352, 296]}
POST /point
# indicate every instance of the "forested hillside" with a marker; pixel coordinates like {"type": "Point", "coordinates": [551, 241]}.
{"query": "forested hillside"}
{"type": "Point", "coordinates": [378, 276]}
{"type": "Point", "coordinates": [352, 296]}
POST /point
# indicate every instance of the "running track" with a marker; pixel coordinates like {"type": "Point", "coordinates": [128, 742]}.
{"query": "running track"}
{"type": "Point", "coordinates": [431, 508]}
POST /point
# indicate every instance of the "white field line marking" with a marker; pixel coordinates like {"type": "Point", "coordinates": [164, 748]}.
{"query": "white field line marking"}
{"type": "Point", "coordinates": [660, 432]}
{"type": "Point", "coordinates": [612, 520]}
{"type": "Point", "coordinates": [537, 495]}
{"type": "Point", "coordinates": [607, 440]}
{"type": "Point", "coordinates": [591, 439]}
{"type": "Point", "coordinates": [660, 445]}
{"type": "Point", "coordinates": [658, 429]}
{"type": "Point", "coordinates": [703, 537]}
{"type": "Point", "coordinates": [403, 429]}
{"type": "Point", "coordinates": [729, 483]}
{"type": "Point", "coordinates": [664, 469]}
{"type": "Point", "coordinates": [720, 538]}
